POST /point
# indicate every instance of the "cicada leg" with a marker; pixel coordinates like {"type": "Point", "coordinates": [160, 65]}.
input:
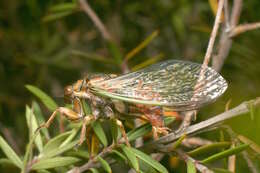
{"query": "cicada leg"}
{"type": "Point", "coordinates": [122, 129]}
{"type": "Point", "coordinates": [188, 118]}
{"type": "Point", "coordinates": [68, 113]}
{"type": "Point", "coordinates": [155, 117]}
{"type": "Point", "coordinates": [86, 121]}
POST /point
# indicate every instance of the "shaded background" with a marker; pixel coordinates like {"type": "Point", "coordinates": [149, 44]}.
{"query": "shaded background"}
{"type": "Point", "coordinates": [34, 49]}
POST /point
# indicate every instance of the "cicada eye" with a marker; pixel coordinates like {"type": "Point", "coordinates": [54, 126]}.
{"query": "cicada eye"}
{"type": "Point", "coordinates": [68, 90]}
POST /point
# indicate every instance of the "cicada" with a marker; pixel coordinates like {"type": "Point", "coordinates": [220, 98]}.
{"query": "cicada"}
{"type": "Point", "coordinates": [172, 84]}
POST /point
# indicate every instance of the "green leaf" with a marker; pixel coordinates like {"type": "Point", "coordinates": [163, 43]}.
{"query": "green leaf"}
{"type": "Point", "coordinates": [67, 6]}
{"type": "Point", "coordinates": [47, 100]}
{"type": "Point", "coordinates": [104, 164]}
{"type": "Point", "coordinates": [252, 144]}
{"type": "Point", "coordinates": [56, 16]}
{"type": "Point", "coordinates": [145, 129]}
{"type": "Point", "coordinates": [131, 157]}
{"type": "Point", "coordinates": [93, 170]}
{"type": "Point", "coordinates": [139, 131]}
{"type": "Point", "coordinates": [61, 150]}
{"type": "Point", "coordinates": [54, 162]}
{"type": "Point", "coordinates": [209, 148]}
{"type": "Point", "coordinates": [33, 125]}
{"type": "Point", "coordinates": [114, 130]}
{"type": "Point", "coordinates": [119, 154]}
{"type": "Point", "coordinates": [141, 46]}
{"type": "Point", "coordinates": [69, 138]}
{"type": "Point", "coordinates": [10, 154]}
{"type": "Point", "coordinates": [92, 56]}
{"type": "Point", "coordinates": [147, 159]}
{"type": "Point", "coordinates": [55, 142]}
{"type": "Point", "coordinates": [178, 142]}
{"type": "Point", "coordinates": [191, 167]}
{"type": "Point", "coordinates": [29, 151]}
{"type": "Point", "coordinates": [148, 62]}
{"type": "Point", "coordinates": [40, 118]}
{"type": "Point", "coordinates": [225, 153]}
{"type": "Point", "coordinates": [115, 52]}
{"type": "Point", "coordinates": [79, 153]}
{"type": "Point", "coordinates": [98, 129]}
{"type": "Point", "coordinates": [4, 161]}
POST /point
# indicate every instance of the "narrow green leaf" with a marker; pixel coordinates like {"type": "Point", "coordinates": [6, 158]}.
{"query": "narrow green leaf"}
{"type": "Point", "coordinates": [131, 157]}
{"type": "Point", "coordinates": [92, 56]}
{"type": "Point", "coordinates": [47, 100]}
{"type": "Point", "coordinates": [209, 148]}
{"type": "Point", "coordinates": [10, 154]}
{"type": "Point", "coordinates": [145, 129]}
{"type": "Point", "coordinates": [104, 164]}
{"type": "Point", "coordinates": [220, 170]}
{"type": "Point", "coordinates": [69, 138]}
{"type": "Point", "coordinates": [93, 170]}
{"type": "Point", "coordinates": [4, 161]}
{"type": "Point", "coordinates": [147, 159]}
{"type": "Point", "coordinates": [178, 142]}
{"type": "Point", "coordinates": [190, 167]}
{"type": "Point", "coordinates": [29, 151]}
{"type": "Point", "coordinates": [86, 107]}
{"type": "Point", "coordinates": [79, 153]}
{"type": "Point", "coordinates": [33, 125]}
{"type": "Point", "coordinates": [60, 150]}
{"type": "Point", "coordinates": [115, 52]}
{"type": "Point", "coordinates": [119, 154]}
{"type": "Point", "coordinates": [55, 142]}
{"type": "Point", "coordinates": [252, 144]}
{"type": "Point", "coordinates": [54, 162]}
{"type": "Point", "coordinates": [148, 62]}
{"type": "Point", "coordinates": [114, 130]}
{"type": "Point", "coordinates": [98, 129]}
{"type": "Point", "coordinates": [66, 6]}
{"type": "Point", "coordinates": [225, 153]}
{"type": "Point", "coordinates": [40, 118]}
{"type": "Point", "coordinates": [139, 131]}
{"type": "Point", "coordinates": [56, 16]}
{"type": "Point", "coordinates": [141, 46]}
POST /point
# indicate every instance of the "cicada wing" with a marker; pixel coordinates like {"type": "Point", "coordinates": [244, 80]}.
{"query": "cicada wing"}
{"type": "Point", "coordinates": [170, 83]}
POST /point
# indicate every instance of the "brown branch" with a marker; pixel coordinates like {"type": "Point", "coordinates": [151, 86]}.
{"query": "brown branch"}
{"type": "Point", "coordinates": [244, 28]}
{"type": "Point", "coordinates": [95, 19]}
{"type": "Point", "coordinates": [240, 109]}
{"type": "Point", "coordinates": [225, 42]}
{"type": "Point", "coordinates": [213, 34]}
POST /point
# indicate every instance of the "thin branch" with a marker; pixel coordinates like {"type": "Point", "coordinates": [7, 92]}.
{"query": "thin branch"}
{"type": "Point", "coordinates": [241, 109]}
{"type": "Point", "coordinates": [225, 42]}
{"type": "Point", "coordinates": [101, 27]}
{"type": "Point", "coordinates": [250, 164]}
{"type": "Point", "coordinates": [244, 28]}
{"type": "Point", "coordinates": [213, 34]}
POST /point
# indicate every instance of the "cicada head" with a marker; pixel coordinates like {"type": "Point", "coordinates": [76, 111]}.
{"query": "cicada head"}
{"type": "Point", "coordinates": [70, 90]}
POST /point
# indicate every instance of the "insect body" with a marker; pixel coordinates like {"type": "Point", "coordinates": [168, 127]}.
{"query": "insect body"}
{"type": "Point", "coordinates": [177, 85]}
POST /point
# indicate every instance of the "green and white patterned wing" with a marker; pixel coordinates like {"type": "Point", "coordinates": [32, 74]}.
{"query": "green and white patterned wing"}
{"type": "Point", "coordinates": [170, 83]}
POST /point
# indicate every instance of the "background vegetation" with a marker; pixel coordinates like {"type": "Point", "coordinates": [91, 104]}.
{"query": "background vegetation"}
{"type": "Point", "coordinates": [50, 44]}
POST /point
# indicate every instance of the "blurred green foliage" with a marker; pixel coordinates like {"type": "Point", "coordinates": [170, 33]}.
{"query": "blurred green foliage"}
{"type": "Point", "coordinates": [50, 45]}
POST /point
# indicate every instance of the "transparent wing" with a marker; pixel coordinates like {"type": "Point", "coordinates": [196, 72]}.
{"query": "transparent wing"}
{"type": "Point", "coordinates": [172, 83]}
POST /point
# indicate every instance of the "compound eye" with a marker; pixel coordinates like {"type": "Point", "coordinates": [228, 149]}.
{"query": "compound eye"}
{"type": "Point", "coordinates": [68, 93]}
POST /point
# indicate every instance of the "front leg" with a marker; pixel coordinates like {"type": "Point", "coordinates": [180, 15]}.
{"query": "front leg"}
{"type": "Point", "coordinates": [155, 117]}
{"type": "Point", "coordinates": [68, 113]}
